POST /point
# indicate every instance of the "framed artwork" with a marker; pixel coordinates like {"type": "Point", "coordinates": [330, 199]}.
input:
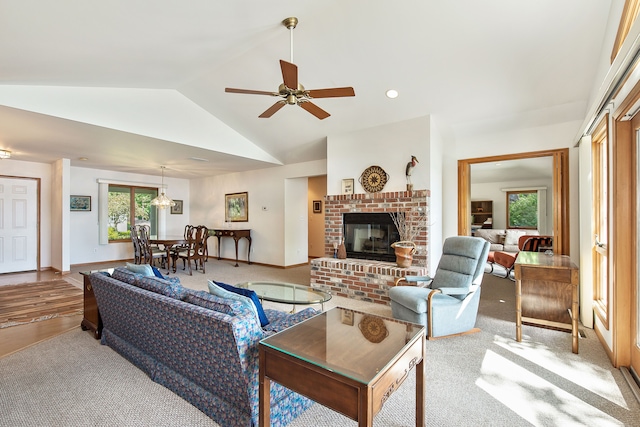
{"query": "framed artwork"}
{"type": "Point", "coordinates": [236, 207]}
{"type": "Point", "coordinates": [317, 206]}
{"type": "Point", "coordinates": [80, 203]}
{"type": "Point", "coordinates": [346, 316]}
{"type": "Point", "coordinates": [347, 186]}
{"type": "Point", "coordinates": [177, 208]}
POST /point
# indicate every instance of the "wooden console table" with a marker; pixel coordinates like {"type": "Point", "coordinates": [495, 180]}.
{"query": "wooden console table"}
{"type": "Point", "coordinates": [235, 235]}
{"type": "Point", "coordinates": [547, 293]}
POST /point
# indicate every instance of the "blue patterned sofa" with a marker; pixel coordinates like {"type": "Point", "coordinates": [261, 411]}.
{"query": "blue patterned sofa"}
{"type": "Point", "coordinates": [202, 347]}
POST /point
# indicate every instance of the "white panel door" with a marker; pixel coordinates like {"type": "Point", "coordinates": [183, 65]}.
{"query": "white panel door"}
{"type": "Point", "coordinates": [18, 225]}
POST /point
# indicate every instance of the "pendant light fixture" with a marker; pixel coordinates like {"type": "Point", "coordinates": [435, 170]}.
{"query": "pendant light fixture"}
{"type": "Point", "coordinates": [162, 201]}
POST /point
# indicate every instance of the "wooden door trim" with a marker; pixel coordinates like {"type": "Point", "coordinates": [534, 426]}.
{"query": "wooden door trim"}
{"type": "Point", "coordinates": [560, 192]}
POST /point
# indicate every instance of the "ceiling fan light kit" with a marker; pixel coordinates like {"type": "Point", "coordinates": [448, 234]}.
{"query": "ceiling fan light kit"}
{"type": "Point", "coordinates": [291, 91]}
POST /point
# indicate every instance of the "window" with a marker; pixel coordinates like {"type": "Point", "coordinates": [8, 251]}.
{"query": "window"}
{"type": "Point", "coordinates": [522, 209]}
{"type": "Point", "coordinates": [629, 15]}
{"type": "Point", "coordinates": [600, 222]}
{"type": "Point", "coordinates": [121, 216]}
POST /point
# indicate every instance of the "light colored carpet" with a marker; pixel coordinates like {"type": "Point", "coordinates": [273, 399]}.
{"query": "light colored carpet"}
{"type": "Point", "coordinates": [484, 379]}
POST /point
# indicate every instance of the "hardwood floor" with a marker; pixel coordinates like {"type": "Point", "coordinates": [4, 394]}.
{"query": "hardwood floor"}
{"type": "Point", "coordinates": [16, 338]}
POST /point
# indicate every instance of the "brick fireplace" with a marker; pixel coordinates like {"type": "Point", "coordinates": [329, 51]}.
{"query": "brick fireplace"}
{"type": "Point", "coordinates": [366, 279]}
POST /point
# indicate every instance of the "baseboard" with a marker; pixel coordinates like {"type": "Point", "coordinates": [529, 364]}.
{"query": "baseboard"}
{"type": "Point", "coordinates": [633, 381]}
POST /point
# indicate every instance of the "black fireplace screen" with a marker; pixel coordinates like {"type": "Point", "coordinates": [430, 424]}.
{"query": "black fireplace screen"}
{"type": "Point", "coordinates": [369, 236]}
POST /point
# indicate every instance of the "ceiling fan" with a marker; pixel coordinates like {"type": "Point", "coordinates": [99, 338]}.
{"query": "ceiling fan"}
{"type": "Point", "coordinates": [291, 91]}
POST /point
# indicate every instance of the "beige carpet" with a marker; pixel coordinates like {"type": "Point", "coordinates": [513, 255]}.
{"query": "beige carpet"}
{"type": "Point", "coordinates": [34, 302]}
{"type": "Point", "coordinates": [483, 379]}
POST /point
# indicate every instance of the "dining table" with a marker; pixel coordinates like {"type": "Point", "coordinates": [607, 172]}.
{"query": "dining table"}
{"type": "Point", "coordinates": [168, 243]}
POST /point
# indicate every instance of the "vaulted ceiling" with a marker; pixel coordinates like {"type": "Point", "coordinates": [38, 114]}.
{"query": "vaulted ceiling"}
{"type": "Point", "coordinates": [134, 84]}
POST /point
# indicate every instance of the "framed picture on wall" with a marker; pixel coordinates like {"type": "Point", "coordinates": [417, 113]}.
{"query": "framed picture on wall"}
{"type": "Point", "coordinates": [80, 203]}
{"type": "Point", "coordinates": [347, 186]}
{"type": "Point", "coordinates": [236, 207]}
{"type": "Point", "coordinates": [177, 208]}
{"type": "Point", "coordinates": [317, 206]}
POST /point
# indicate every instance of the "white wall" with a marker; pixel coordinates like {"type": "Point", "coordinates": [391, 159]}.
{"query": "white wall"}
{"type": "Point", "coordinates": [267, 207]}
{"type": "Point", "coordinates": [437, 143]}
{"type": "Point", "coordinates": [554, 136]}
{"type": "Point", "coordinates": [84, 236]}
{"type": "Point", "coordinates": [492, 191]}
{"type": "Point", "coordinates": [389, 146]}
{"type": "Point", "coordinates": [296, 225]}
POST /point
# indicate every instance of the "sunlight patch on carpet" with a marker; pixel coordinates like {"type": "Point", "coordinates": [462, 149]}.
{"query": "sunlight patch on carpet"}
{"type": "Point", "coordinates": [535, 399]}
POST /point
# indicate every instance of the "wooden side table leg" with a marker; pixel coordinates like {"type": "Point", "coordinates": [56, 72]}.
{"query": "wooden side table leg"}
{"type": "Point", "coordinates": [574, 312]}
{"type": "Point", "coordinates": [518, 310]}
{"type": "Point", "coordinates": [264, 389]}
{"type": "Point", "coordinates": [235, 239]}
{"type": "Point", "coordinates": [420, 392]}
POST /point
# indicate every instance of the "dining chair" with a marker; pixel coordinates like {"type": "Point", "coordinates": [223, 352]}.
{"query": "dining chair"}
{"type": "Point", "coordinates": [138, 255]}
{"type": "Point", "coordinates": [196, 248]}
{"type": "Point", "coordinates": [151, 253]}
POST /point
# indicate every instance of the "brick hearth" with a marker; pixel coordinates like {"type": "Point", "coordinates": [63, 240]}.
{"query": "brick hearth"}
{"type": "Point", "coordinates": [357, 278]}
{"type": "Point", "coordinates": [367, 279]}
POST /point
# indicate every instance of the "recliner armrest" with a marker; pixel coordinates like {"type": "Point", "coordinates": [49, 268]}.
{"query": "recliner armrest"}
{"type": "Point", "coordinates": [409, 279]}
{"type": "Point", "coordinates": [455, 291]}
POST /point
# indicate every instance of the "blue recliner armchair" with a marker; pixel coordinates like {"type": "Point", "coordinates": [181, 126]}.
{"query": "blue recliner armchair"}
{"type": "Point", "coordinates": [448, 304]}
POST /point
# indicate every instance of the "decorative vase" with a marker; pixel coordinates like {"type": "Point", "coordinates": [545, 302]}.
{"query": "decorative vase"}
{"type": "Point", "coordinates": [404, 253]}
{"type": "Point", "coordinates": [342, 251]}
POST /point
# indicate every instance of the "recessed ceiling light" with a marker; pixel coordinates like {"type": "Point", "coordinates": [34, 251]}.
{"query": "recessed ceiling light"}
{"type": "Point", "coordinates": [84, 159]}
{"type": "Point", "coordinates": [392, 93]}
{"type": "Point", "coordinates": [198, 159]}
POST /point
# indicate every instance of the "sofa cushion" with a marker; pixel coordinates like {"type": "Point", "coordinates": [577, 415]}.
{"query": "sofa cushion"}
{"type": "Point", "coordinates": [161, 286]}
{"type": "Point", "coordinates": [125, 275]}
{"type": "Point", "coordinates": [212, 302]}
{"type": "Point", "coordinates": [246, 296]}
{"type": "Point", "coordinates": [512, 237]}
{"type": "Point", "coordinates": [291, 319]}
{"type": "Point", "coordinates": [491, 235]}
{"type": "Point", "coordinates": [144, 269]}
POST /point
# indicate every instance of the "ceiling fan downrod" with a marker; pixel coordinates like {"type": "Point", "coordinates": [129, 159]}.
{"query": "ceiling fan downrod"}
{"type": "Point", "coordinates": [290, 23]}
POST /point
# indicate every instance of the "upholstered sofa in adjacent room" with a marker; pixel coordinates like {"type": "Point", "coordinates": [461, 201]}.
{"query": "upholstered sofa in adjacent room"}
{"type": "Point", "coordinates": [202, 347]}
{"type": "Point", "coordinates": [504, 240]}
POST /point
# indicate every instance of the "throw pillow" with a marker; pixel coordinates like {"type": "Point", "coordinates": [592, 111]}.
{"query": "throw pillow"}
{"type": "Point", "coordinates": [156, 272]}
{"type": "Point", "coordinates": [206, 300]}
{"type": "Point", "coordinates": [161, 286]}
{"type": "Point", "coordinates": [144, 269]}
{"type": "Point", "coordinates": [512, 236]}
{"type": "Point", "coordinates": [217, 289]}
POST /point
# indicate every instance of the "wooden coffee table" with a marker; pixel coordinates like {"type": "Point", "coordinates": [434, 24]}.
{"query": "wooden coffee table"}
{"type": "Point", "coordinates": [349, 361]}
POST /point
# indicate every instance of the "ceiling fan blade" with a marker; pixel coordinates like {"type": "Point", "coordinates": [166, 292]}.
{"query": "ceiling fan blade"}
{"type": "Point", "coordinates": [314, 109]}
{"type": "Point", "coordinates": [289, 74]}
{"type": "Point", "coordinates": [272, 110]}
{"type": "Point", "coordinates": [250, 92]}
{"type": "Point", "coordinates": [335, 92]}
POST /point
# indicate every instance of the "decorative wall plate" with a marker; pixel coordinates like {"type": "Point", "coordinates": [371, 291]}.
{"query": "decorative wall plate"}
{"type": "Point", "coordinates": [373, 179]}
{"type": "Point", "coordinates": [373, 328]}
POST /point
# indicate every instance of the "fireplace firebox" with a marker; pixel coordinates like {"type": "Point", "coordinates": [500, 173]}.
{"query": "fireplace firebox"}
{"type": "Point", "coordinates": [369, 236]}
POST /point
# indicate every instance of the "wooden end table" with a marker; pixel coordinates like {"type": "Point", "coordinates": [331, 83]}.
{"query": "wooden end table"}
{"type": "Point", "coordinates": [91, 320]}
{"type": "Point", "coordinates": [547, 293]}
{"type": "Point", "coordinates": [349, 361]}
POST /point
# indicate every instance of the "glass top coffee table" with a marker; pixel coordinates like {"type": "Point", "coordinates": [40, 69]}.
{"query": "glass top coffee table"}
{"type": "Point", "coordinates": [349, 361]}
{"type": "Point", "coordinates": [287, 293]}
